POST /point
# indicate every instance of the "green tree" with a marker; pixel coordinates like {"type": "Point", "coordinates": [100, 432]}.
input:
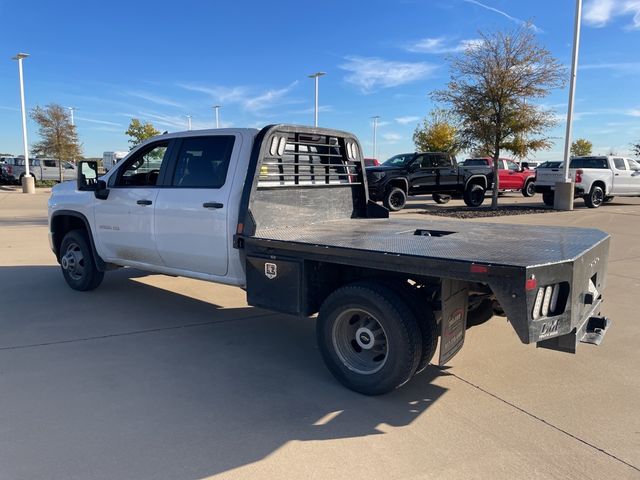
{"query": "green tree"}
{"type": "Point", "coordinates": [438, 133]}
{"type": "Point", "coordinates": [635, 148]}
{"type": "Point", "coordinates": [140, 131]}
{"type": "Point", "coordinates": [489, 88]}
{"type": "Point", "coordinates": [581, 148]}
{"type": "Point", "coordinates": [58, 137]}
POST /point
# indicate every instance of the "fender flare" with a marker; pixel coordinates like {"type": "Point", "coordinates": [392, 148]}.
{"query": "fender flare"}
{"type": "Point", "coordinates": [472, 177]}
{"type": "Point", "coordinates": [100, 263]}
{"type": "Point", "coordinates": [398, 179]}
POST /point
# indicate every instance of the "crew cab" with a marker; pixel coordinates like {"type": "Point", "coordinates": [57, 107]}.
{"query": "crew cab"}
{"type": "Point", "coordinates": [511, 176]}
{"type": "Point", "coordinates": [597, 179]}
{"type": "Point", "coordinates": [432, 173]}
{"type": "Point", "coordinates": [284, 213]}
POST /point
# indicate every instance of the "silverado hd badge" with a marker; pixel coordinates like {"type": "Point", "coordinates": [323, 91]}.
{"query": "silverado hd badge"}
{"type": "Point", "coordinates": [270, 270]}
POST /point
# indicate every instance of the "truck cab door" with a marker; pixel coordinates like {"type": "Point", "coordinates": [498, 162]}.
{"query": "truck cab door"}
{"type": "Point", "coordinates": [624, 180]}
{"type": "Point", "coordinates": [124, 221]}
{"type": "Point", "coordinates": [510, 176]}
{"type": "Point", "coordinates": [424, 175]}
{"type": "Point", "coordinates": [191, 219]}
{"type": "Point", "coordinates": [447, 172]}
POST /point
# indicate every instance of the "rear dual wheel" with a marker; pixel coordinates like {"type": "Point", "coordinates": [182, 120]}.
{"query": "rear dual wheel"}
{"type": "Point", "coordinates": [370, 338]}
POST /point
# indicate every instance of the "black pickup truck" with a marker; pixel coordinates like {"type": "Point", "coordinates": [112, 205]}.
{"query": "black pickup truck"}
{"type": "Point", "coordinates": [432, 173]}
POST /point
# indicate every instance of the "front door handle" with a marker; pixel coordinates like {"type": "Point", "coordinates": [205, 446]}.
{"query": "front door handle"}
{"type": "Point", "coordinates": [212, 205]}
{"type": "Point", "coordinates": [144, 202]}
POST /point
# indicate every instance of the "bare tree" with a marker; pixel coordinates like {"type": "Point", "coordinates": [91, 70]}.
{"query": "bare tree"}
{"type": "Point", "coordinates": [490, 86]}
{"type": "Point", "coordinates": [635, 148]}
{"type": "Point", "coordinates": [58, 137]}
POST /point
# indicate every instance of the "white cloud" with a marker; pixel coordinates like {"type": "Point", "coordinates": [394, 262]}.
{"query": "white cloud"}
{"type": "Point", "coordinates": [391, 137]}
{"type": "Point", "coordinates": [442, 45]}
{"type": "Point", "coordinates": [634, 112]}
{"type": "Point", "coordinates": [245, 96]}
{"type": "Point", "coordinates": [624, 67]}
{"type": "Point", "coordinates": [504, 14]}
{"type": "Point", "coordinates": [406, 120]}
{"type": "Point", "coordinates": [101, 122]}
{"type": "Point", "coordinates": [598, 13]}
{"type": "Point", "coordinates": [371, 73]}
{"type": "Point", "coordinates": [154, 99]}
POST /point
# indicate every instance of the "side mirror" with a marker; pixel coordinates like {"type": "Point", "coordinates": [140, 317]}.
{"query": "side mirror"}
{"type": "Point", "coordinates": [524, 166]}
{"type": "Point", "coordinates": [87, 180]}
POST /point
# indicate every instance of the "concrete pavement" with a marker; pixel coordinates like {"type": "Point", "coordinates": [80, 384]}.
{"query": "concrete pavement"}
{"type": "Point", "coordinates": [157, 377]}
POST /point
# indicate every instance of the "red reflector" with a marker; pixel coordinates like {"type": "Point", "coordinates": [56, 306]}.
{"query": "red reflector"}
{"type": "Point", "coordinates": [479, 268]}
{"type": "Point", "coordinates": [240, 228]}
{"type": "Point", "coordinates": [531, 284]}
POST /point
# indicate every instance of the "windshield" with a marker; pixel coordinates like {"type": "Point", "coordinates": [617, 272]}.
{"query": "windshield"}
{"type": "Point", "coordinates": [399, 160]}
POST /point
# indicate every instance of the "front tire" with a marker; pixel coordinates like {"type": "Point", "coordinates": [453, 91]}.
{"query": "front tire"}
{"type": "Point", "coordinates": [441, 199]}
{"type": "Point", "coordinates": [369, 338]}
{"type": "Point", "coordinates": [395, 199]}
{"type": "Point", "coordinates": [548, 198]}
{"type": "Point", "coordinates": [474, 195]}
{"type": "Point", "coordinates": [595, 198]}
{"type": "Point", "coordinates": [77, 262]}
{"type": "Point", "coordinates": [529, 189]}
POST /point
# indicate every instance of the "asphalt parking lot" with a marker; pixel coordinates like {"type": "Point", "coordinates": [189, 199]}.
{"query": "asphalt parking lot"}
{"type": "Point", "coordinates": [153, 377]}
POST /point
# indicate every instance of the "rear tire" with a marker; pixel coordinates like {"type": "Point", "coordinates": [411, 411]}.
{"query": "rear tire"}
{"type": "Point", "coordinates": [369, 338]}
{"type": "Point", "coordinates": [77, 262]}
{"type": "Point", "coordinates": [548, 198]}
{"type": "Point", "coordinates": [529, 189]}
{"type": "Point", "coordinates": [441, 199]}
{"type": "Point", "coordinates": [474, 195]}
{"type": "Point", "coordinates": [395, 199]}
{"type": "Point", "coordinates": [595, 197]}
{"type": "Point", "coordinates": [608, 199]}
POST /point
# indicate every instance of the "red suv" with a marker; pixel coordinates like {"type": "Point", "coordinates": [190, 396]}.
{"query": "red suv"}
{"type": "Point", "coordinates": [512, 177]}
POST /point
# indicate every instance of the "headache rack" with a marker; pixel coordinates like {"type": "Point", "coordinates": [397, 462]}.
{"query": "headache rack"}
{"type": "Point", "coordinates": [294, 159]}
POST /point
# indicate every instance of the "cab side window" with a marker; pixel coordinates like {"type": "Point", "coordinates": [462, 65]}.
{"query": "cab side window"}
{"type": "Point", "coordinates": [49, 163]}
{"type": "Point", "coordinates": [513, 166]}
{"type": "Point", "coordinates": [619, 164]}
{"type": "Point", "coordinates": [424, 161]}
{"type": "Point", "coordinates": [203, 162]}
{"type": "Point", "coordinates": [143, 168]}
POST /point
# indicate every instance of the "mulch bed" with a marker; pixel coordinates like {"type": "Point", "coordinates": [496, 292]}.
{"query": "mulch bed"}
{"type": "Point", "coordinates": [486, 211]}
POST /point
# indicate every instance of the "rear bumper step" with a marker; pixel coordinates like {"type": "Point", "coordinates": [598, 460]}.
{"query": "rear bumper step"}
{"type": "Point", "coordinates": [592, 331]}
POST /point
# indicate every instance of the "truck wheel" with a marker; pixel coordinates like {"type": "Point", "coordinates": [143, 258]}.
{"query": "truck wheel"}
{"type": "Point", "coordinates": [529, 189]}
{"type": "Point", "coordinates": [77, 262]}
{"type": "Point", "coordinates": [482, 312]}
{"type": "Point", "coordinates": [441, 199]}
{"type": "Point", "coordinates": [548, 198]}
{"type": "Point", "coordinates": [395, 199]}
{"type": "Point", "coordinates": [369, 338]}
{"type": "Point", "coordinates": [595, 198]}
{"type": "Point", "coordinates": [607, 199]}
{"type": "Point", "coordinates": [474, 195]}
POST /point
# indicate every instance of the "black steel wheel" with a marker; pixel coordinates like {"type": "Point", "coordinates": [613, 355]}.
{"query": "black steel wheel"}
{"type": "Point", "coordinates": [395, 199]}
{"type": "Point", "coordinates": [77, 262]}
{"type": "Point", "coordinates": [369, 338]}
{"type": "Point", "coordinates": [529, 189]}
{"type": "Point", "coordinates": [474, 195]}
{"type": "Point", "coordinates": [595, 198]}
{"type": "Point", "coordinates": [548, 198]}
{"type": "Point", "coordinates": [441, 199]}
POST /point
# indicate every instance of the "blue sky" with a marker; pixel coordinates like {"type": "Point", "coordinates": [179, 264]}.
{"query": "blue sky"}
{"type": "Point", "coordinates": [159, 62]}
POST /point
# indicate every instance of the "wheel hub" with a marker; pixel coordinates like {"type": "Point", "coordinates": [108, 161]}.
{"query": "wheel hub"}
{"type": "Point", "coordinates": [73, 262]}
{"type": "Point", "coordinates": [360, 341]}
{"type": "Point", "coordinates": [364, 338]}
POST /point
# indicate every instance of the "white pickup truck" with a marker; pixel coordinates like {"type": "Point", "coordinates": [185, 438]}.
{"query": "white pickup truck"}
{"type": "Point", "coordinates": [284, 213]}
{"type": "Point", "coordinates": [597, 179]}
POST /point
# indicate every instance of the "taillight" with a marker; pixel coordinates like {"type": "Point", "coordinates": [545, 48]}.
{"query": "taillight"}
{"type": "Point", "coordinates": [579, 176]}
{"type": "Point", "coordinates": [550, 300]}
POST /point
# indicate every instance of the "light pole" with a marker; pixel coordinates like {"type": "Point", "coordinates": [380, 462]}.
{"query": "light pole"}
{"type": "Point", "coordinates": [28, 183]}
{"type": "Point", "coordinates": [563, 199]}
{"type": "Point", "coordinates": [71, 109]}
{"type": "Point", "coordinates": [316, 75]}
{"type": "Point", "coordinates": [375, 136]}
{"type": "Point", "coordinates": [189, 121]}
{"type": "Point", "coordinates": [216, 108]}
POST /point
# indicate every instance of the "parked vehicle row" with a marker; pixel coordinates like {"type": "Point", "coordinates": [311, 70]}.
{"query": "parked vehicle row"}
{"type": "Point", "coordinates": [597, 179]}
{"type": "Point", "coordinates": [13, 169]}
{"type": "Point", "coordinates": [512, 177]}
{"type": "Point", "coordinates": [432, 173]}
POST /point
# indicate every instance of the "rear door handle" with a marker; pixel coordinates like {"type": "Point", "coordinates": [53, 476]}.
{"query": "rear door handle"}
{"type": "Point", "coordinates": [212, 205]}
{"type": "Point", "coordinates": [144, 202]}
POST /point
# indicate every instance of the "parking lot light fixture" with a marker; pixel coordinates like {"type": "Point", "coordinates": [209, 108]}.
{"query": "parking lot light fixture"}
{"type": "Point", "coordinates": [316, 76]}
{"type": "Point", "coordinates": [28, 184]}
{"type": "Point", "coordinates": [188, 122]}
{"type": "Point", "coordinates": [217, 108]}
{"type": "Point", "coordinates": [375, 135]}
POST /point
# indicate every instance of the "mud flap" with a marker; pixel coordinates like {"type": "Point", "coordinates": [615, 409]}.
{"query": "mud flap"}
{"type": "Point", "coordinates": [454, 297]}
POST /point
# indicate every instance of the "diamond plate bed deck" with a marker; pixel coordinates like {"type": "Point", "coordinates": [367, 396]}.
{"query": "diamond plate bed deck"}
{"type": "Point", "coordinates": [495, 244]}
